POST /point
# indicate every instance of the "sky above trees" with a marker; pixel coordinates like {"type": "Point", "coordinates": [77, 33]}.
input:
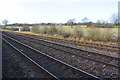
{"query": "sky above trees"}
{"type": "Point", "coordinates": [56, 11]}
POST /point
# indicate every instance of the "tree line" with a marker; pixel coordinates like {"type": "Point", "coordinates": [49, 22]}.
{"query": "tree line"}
{"type": "Point", "coordinates": [71, 22]}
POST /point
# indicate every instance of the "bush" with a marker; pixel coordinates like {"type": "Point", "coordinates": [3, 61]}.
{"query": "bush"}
{"type": "Point", "coordinates": [52, 30]}
{"type": "Point", "coordinates": [66, 34]}
{"type": "Point", "coordinates": [108, 35]}
{"type": "Point", "coordinates": [25, 28]}
{"type": "Point", "coordinates": [78, 33]}
{"type": "Point", "coordinates": [44, 29]}
{"type": "Point", "coordinates": [98, 34]}
{"type": "Point", "coordinates": [36, 29]}
{"type": "Point", "coordinates": [93, 34]}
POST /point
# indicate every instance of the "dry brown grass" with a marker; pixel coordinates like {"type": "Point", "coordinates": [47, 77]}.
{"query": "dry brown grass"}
{"type": "Point", "coordinates": [91, 34]}
{"type": "Point", "coordinates": [95, 35]}
{"type": "Point", "coordinates": [69, 38]}
{"type": "Point", "coordinates": [101, 34]}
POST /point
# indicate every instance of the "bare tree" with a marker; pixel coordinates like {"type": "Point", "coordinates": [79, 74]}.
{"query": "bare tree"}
{"type": "Point", "coordinates": [5, 22]}
{"type": "Point", "coordinates": [71, 22]}
{"type": "Point", "coordinates": [114, 18]}
{"type": "Point", "coordinates": [102, 23]}
{"type": "Point", "coordinates": [85, 20]}
{"type": "Point", "coordinates": [99, 23]}
{"type": "Point", "coordinates": [105, 23]}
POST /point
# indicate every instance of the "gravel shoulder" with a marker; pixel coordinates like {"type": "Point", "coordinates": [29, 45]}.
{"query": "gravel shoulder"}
{"type": "Point", "coordinates": [11, 69]}
{"type": "Point", "coordinates": [15, 66]}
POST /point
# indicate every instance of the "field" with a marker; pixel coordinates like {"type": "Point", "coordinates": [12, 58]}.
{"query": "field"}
{"type": "Point", "coordinates": [13, 26]}
{"type": "Point", "coordinates": [98, 35]}
{"type": "Point", "coordinates": [116, 26]}
{"type": "Point", "coordinates": [80, 33]}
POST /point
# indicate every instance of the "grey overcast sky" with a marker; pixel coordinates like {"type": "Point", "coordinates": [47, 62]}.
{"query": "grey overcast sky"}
{"type": "Point", "coordinates": [56, 11]}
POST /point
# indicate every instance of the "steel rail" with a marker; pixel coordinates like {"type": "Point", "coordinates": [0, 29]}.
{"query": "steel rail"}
{"type": "Point", "coordinates": [99, 47]}
{"type": "Point", "coordinates": [53, 76]}
{"type": "Point", "coordinates": [87, 42]}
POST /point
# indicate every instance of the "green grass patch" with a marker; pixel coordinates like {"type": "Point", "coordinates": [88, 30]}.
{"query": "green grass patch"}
{"type": "Point", "coordinates": [13, 26]}
{"type": "Point", "coordinates": [116, 26]}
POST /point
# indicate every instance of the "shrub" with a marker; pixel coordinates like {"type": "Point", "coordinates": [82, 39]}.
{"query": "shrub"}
{"type": "Point", "coordinates": [78, 33]}
{"type": "Point", "coordinates": [43, 29]}
{"type": "Point", "coordinates": [25, 28]}
{"type": "Point", "coordinates": [66, 34]}
{"type": "Point", "coordinates": [36, 29]}
{"type": "Point", "coordinates": [109, 35]}
{"type": "Point", "coordinates": [52, 30]}
{"type": "Point", "coordinates": [98, 34]}
{"type": "Point", "coordinates": [93, 34]}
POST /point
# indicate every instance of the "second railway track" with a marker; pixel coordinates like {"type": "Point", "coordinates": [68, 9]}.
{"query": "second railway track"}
{"type": "Point", "coordinates": [58, 68]}
{"type": "Point", "coordinates": [109, 48]}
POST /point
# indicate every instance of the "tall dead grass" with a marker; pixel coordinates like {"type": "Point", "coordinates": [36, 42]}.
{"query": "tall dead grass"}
{"type": "Point", "coordinates": [97, 34]}
{"type": "Point", "coordinates": [101, 34]}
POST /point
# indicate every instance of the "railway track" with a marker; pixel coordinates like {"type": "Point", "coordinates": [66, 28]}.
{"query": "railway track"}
{"type": "Point", "coordinates": [49, 75]}
{"type": "Point", "coordinates": [57, 69]}
{"type": "Point", "coordinates": [110, 48]}
{"type": "Point", "coordinates": [92, 45]}
{"type": "Point", "coordinates": [97, 57]}
{"type": "Point", "coordinates": [16, 65]}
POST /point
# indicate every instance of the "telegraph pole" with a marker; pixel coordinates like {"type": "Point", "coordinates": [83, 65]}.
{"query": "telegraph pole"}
{"type": "Point", "coordinates": [119, 12]}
